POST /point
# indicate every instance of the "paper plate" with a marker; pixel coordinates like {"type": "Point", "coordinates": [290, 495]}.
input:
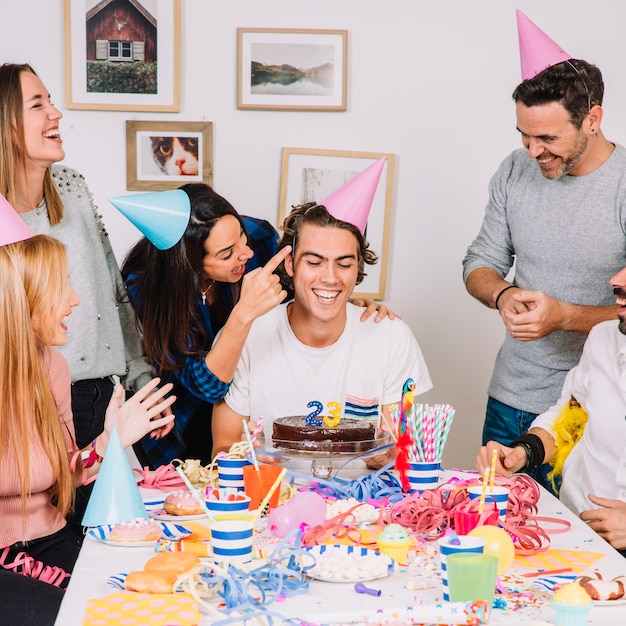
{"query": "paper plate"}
{"type": "Point", "coordinates": [349, 564]}
{"type": "Point", "coordinates": [163, 516]}
{"type": "Point", "coordinates": [168, 531]}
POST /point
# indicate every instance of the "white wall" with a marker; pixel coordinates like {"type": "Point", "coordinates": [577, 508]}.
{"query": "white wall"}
{"type": "Point", "coordinates": [428, 81]}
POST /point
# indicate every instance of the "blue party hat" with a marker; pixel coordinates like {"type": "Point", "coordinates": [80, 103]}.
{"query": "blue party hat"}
{"type": "Point", "coordinates": [115, 497]}
{"type": "Point", "coordinates": [162, 216]}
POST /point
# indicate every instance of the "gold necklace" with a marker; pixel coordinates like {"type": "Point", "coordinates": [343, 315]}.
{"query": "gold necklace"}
{"type": "Point", "coordinates": [205, 292]}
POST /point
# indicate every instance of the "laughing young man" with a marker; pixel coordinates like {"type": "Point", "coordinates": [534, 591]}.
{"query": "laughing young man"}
{"type": "Point", "coordinates": [314, 348]}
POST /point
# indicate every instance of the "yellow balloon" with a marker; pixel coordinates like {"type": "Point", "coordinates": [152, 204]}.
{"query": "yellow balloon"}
{"type": "Point", "coordinates": [497, 542]}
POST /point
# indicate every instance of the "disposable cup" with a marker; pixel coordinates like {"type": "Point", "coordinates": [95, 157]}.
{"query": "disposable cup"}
{"type": "Point", "coordinates": [499, 495]}
{"type": "Point", "coordinates": [230, 472]}
{"type": "Point", "coordinates": [257, 483]}
{"type": "Point", "coordinates": [231, 539]}
{"type": "Point", "coordinates": [423, 475]}
{"type": "Point", "coordinates": [472, 577]}
{"type": "Point", "coordinates": [453, 544]}
{"type": "Point", "coordinates": [227, 500]}
{"type": "Point", "coordinates": [466, 520]}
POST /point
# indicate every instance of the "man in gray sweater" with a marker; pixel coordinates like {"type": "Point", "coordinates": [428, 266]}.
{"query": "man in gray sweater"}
{"type": "Point", "coordinates": [557, 213]}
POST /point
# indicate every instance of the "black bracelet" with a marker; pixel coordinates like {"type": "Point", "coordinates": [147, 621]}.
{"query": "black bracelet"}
{"type": "Point", "coordinates": [535, 451]}
{"type": "Point", "coordinates": [495, 305]}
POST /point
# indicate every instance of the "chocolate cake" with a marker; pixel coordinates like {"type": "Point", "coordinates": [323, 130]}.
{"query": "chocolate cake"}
{"type": "Point", "coordinates": [293, 433]}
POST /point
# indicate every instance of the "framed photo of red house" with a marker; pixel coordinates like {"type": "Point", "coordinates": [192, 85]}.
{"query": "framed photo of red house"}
{"type": "Point", "coordinates": [122, 55]}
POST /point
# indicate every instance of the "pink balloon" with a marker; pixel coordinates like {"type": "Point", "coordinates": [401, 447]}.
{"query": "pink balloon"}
{"type": "Point", "coordinates": [306, 507]}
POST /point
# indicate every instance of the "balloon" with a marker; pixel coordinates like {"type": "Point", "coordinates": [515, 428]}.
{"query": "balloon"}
{"type": "Point", "coordinates": [306, 507]}
{"type": "Point", "coordinates": [497, 542]}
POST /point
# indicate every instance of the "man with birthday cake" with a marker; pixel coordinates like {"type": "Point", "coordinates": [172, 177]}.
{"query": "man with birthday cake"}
{"type": "Point", "coordinates": [312, 357]}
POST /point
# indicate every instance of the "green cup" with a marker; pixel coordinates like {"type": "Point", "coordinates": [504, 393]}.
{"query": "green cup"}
{"type": "Point", "coordinates": [472, 576]}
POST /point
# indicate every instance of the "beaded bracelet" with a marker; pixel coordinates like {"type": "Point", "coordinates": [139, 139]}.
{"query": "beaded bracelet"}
{"type": "Point", "coordinates": [495, 305]}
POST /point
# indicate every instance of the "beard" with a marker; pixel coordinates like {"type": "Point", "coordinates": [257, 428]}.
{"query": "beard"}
{"type": "Point", "coordinates": [570, 161]}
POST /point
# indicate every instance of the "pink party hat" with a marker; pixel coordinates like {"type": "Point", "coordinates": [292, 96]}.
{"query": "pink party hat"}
{"type": "Point", "coordinates": [12, 226]}
{"type": "Point", "coordinates": [537, 51]}
{"type": "Point", "coordinates": [162, 216]}
{"type": "Point", "coordinates": [352, 202]}
{"type": "Point", "coordinates": [115, 497]}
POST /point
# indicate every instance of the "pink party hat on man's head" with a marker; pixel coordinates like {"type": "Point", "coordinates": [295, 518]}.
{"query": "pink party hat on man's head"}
{"type": "Point", "coordinates": [12, 226]}
{"type": "Point", "coordinates": [537, 51]}
{"type": "Point", "coordinates": [352, 202]}
{"type": "Point", "coordinates": [115, 497]}
{"type": "Point", "coordinates": [162, 216]}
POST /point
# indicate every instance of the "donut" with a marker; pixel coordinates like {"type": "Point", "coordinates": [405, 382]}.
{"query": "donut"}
{"type": "Point", "coordinates": [150, 582]}
{"type": "Point", "coordinates": [175, 563]}
{"type": "Point", "coordinates": [182, 503]}
{"type": "Point", "coordinates": [136, 530]}
{"type": "Point", "coordinates": [600, 589]}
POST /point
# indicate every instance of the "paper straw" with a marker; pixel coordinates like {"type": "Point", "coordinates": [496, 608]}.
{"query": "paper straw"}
{"type": "Point", "coordinates": [246, 430]}
{"type": "Point", "coordinates": [258, 428]}
{"type": "Point", "coordinates": [194, 493]}
{"type": "Point", "coordinates": [483, 491]}
{"type": "Point", "coordinates": [492, 469]}
{"type": "Point", "coordinates": [270, 493]}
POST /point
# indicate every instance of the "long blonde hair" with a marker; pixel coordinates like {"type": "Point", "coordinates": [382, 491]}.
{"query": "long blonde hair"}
{"type": "Point", "coordinates": [34, 281]}
{"type": "Point", "coordinates": [13, 144]}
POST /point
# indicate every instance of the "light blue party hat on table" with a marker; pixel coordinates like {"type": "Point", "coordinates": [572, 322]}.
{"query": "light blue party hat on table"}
{"type": "Point", "coordinates": [115, 497]}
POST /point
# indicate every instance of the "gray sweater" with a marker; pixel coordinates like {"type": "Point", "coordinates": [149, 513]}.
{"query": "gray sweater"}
{"type": "Point", "coordinates": [102, 338]}
{"type": "Point", "coordinates": [566, 238]}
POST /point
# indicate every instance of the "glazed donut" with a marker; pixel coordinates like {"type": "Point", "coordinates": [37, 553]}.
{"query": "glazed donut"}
{"type": "Point", "coordinates": [175, 563]}
{"type": "Point", "coordinates": [150, 582]}
{"type": "Point", "coordinates": [182, 503]}
{"type": "Point", "coordinates": [136, 530]}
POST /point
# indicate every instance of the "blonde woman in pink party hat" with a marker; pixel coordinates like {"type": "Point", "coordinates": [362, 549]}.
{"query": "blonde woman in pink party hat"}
{"type": "Point", "coordinates": [312, 352]}
{"type": "Point", "coordinates": [552, 235]}
{"type": "Point", "coordinates": [40, 463]}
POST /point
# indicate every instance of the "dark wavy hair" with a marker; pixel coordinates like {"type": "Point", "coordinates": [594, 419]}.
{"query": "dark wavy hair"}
{"type": "Point", "coordinates": [167, 283]}
{"type": "Point", "coordinates": [575, 84]}
{"type": "Point", "coordinates": [316, 214]}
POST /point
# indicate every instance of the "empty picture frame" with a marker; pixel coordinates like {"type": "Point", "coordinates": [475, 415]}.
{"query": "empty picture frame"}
{"type": "Point", "coordinates": [310, 175]}
{"type": "Point", "coordinates": [292, 69]}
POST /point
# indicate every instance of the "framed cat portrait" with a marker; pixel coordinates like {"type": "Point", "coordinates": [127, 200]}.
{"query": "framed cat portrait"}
{"type": "Point", "coordinates": [166, 155]}
{"type": "Point", "coordinates": [122, 55]}
{"type": "Point", "coordinates": [292, 69]}
{"type": "Point", "coordinates": [310, 175]}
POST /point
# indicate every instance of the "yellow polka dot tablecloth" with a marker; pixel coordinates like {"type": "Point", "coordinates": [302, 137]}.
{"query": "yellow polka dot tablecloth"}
{"type": "Point", "coordinates": [142, 609]}
{"type": "Point", "coordinates": [579, 561]}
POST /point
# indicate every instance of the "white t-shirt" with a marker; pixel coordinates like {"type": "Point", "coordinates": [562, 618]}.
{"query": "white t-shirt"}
{"type": "Point", "coordinates": [365, 368]}
{"type": "Point", "coordinates": [597, 464]}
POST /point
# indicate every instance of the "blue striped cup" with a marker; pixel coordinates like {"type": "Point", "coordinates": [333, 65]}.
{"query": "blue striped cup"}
{"type": "Point", "coordinates": [499, 495]}
{"type": "Point", "coordinates": [453, 544]}
{"type": "Point", "coordinates": [231, 540]}
{"type": "Point", "coordinates": [227, 500]}
{"type": "Point", "coordinates": [423, 476]}
{"type": "Point", "coordinates": [230, 472]}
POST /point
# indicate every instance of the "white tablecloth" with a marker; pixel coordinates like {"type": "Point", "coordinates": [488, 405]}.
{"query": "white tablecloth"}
{"type": "Point", "coordinates": [336, 603]}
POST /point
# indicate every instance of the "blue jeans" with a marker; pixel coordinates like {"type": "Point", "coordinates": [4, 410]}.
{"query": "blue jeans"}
{"type": "Point", "coordinates": [504, 424]}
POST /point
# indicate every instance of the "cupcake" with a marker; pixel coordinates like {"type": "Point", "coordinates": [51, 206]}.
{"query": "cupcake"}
{"type": "Point", "coordinates": [572, 605]}
{"type": "Point", "coordinates": [394, 541]}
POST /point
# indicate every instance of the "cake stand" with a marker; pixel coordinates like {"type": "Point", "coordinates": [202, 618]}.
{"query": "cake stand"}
{"type": "Point", "coordinates": [327, 452]}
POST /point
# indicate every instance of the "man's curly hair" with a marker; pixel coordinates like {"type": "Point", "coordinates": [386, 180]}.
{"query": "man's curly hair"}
{"type": "Point", "coordinates": [317, 215]}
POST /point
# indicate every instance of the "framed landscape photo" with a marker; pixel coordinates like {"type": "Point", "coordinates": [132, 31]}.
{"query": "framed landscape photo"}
{"type": "Point", "coordinates": [292, 69]}
{"type": "Point", "coordinates": [310, 175]}
{"type": "Point", "coordinates": [122, 55]}
{"type": "Point", "coordinates": [166, 155]}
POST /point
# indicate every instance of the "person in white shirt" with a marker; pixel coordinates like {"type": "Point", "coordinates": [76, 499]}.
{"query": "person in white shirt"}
{"type": "Point", "coordinates": [594, 473]}
{"type": "Point", "coordinates": [314, 348]}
